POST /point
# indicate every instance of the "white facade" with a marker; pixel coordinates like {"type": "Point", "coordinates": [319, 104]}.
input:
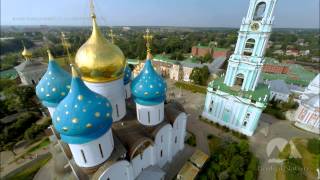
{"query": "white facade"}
{"type": "Point", "coordinates": [127, 90]}
{"type": "Point", "coordinates": [150, 115]}
{"type": "Point", "coordinates": [159, 153]}
{"type": "Point", "coordinates": [308, 115]}
{"type": "Point", "coordinates": [115, 92]}
{"type": "Point", "coordinates": [93, 153]}
{"type": "Point", "coordinates": [312, 89]}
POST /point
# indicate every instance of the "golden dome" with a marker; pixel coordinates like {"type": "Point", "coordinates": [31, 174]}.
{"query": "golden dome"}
{"type": "Point", "coordinates": [26, 53]}
{"type": "Point", "coordinates": [99, 60]}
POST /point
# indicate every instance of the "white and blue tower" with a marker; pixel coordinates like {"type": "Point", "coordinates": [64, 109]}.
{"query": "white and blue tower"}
{"type": "Point", "coordinates": [127, 81]}
{"type": "Point", "coordinates": [53, 86]}
{"type": "Point", "coordinates": [149, 91]}
{"type": "Point", "coordinates": [236, 100]}
{"type": "Point", "coordinates": [83, 119]}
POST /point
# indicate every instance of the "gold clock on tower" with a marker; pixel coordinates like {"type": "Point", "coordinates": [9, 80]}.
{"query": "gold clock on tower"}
{"type": "Point", "coordinates": [255, 26]}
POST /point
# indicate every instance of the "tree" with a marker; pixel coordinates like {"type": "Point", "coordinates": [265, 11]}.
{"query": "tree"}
{"type": "Point", "coordinates": [207, 58]}
{"type": "Point", "coordinates": [177, 56]}
{"type": "Point", "coordinates": [200, 76]}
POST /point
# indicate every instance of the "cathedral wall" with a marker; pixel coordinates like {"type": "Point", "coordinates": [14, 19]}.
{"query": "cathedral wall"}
{"type": "Point", "coordinates": [162, 151]}
{"type": "Point", "coordinates": [178, 133]}
{"type": "Point", "coordinates": [121, 170]}
{"type": "Point", "coordinates": [142, 161]}
{"type": "Point", "coordinates": [115, 93]}
{"type": "Point", "coordinates": [94, 152]}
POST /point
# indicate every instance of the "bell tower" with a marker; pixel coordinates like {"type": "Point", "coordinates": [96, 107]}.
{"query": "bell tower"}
{"type": "Point", "coordinates": [245, 64]}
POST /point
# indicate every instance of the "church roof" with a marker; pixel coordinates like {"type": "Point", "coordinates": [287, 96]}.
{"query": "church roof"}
{"type": "Point", "coordinates": [314, 101]}
{"type": "Point", "coordinates": [54, 85]}
{"type": "Point", "coordinates": [148, 88]}
{"type": "Point", "coordinates": [29, 66]}
{"type": "Point", "coordinates": [279, 86]}
{"type": "Point", "coordinates": [82, 115]}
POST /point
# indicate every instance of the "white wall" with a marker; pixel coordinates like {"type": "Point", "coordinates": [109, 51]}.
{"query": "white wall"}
{"type": "Point", "coordinates": [163, 143]}
{"type": "Point", "coordinates": [142, 161]}
{"type": "Point", "coordinates": [115, 93]}
{"type": "Point", "coordinates": [150, 115]}
{"type": "Point", "coordinates": [91, 150]}
{"type": "Point", "coordinates": [121, 170]}
{"type": "Point", "coordinates": [127, 90]}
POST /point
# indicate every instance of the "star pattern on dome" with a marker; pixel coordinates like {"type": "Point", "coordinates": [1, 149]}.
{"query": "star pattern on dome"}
{"type": "Point", "coordinates": [148, 88]}
{"type": "Point", "coordinates": [127, 75]}
{"type": "Point", "coordinates": [81, 113]}
{"type": "Point", "coordinates": [51, 89]}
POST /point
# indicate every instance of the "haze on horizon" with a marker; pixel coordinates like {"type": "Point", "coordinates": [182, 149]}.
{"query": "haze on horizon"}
{"type": "Point", "coordinates": [186, 13]}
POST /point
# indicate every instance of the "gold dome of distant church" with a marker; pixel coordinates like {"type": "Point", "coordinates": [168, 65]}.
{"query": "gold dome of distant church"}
{"type": "Point", "coordinates": [99, 60]}
{"type": "Point", "coordinates": [26, 53]}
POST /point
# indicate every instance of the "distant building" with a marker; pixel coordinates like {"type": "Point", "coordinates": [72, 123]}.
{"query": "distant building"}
{"type": "Point", "coordinates": [275, 69]}
{"type": "Point", "coordinates": [304, 52]}
{"type": "Point", "coordinates": [200, 51]}
{"type": "Point", "coordinates": [292, 52]}
{"type": "Point", "coordinates": [30, 71]}
{"type": "Point", "coordinates": [307, 116]}
{"type": "Point", "coordinates": [279, 90]}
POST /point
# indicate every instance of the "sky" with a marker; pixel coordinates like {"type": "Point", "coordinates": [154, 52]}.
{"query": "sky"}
{"type": "Point", "coordinates": [186, 13]}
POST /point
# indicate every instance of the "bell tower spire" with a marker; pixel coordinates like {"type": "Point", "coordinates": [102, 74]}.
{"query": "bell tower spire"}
{"type": "Point", "coordinates": [246, 63]}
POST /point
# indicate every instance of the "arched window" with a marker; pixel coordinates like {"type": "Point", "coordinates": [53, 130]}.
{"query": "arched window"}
{"type": "Point", "coordinates": [249, 47]}
{"type": "Point", "coordinates": [259, 12]}
{"type": "Point", "coordinates": [239, 80]}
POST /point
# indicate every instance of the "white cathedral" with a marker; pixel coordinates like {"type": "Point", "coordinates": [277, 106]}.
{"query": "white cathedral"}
{"type": "Point", "coordinates": [109, 134]}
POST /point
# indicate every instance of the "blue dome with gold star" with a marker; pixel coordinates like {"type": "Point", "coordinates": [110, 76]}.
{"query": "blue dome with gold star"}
{"type": "Point", "coordinates": [83, 115]}
{"type": "Point", "coordinates": [148, 88]}
{"type": "Point", "coordinates": [127, 75]}
{"type": "Point", "coordinates": [54, 85]}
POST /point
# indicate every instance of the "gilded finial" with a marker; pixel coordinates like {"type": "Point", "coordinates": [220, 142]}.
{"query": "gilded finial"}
{"type": "Point", "coordinates": [50, 56]}
{"type": "Point", "coordinates": [148, 37]}
{"type": "Point", "coordinates": [74, 71]}
{"type": "Point", "coordinates": [93, 14]}
{"type": "Point", "coordinates": [26, 53]}
{"type": "Point", "coordinates": [112, 36]}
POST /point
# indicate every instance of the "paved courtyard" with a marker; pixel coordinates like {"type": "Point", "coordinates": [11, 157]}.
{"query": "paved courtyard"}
{"type": "Point", "coordinates": [269, 128]}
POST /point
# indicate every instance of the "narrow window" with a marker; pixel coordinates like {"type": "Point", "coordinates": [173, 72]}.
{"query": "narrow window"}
{"type": "Point", "coordinates": [117, 110]}
{"type": "Point", "coordinates": [148, 117]}
{"type": "Point", "coordinates": [161, 153]}
{"type": "Point", "coordinates": [139, 115]}
{"type": "Point", "coordinates": [210, 110]}
{"type": "Point", "coordinates": [101, 152]}
{"type": "Point", "coordinates": [211, 102]}
{"type": "Point", "coordinates": [83, 156]}
{"type": "Point", "coordinates": [176, 139]}
{"type": "Point", "coordinates": [141, 156]}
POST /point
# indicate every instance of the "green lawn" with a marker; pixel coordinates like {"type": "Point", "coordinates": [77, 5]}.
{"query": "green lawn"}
{"type": "Point", "coordinates": [191, 87]}
{"type": "Point", "coordinates": [30, 172]}
{"type": "Point", "coordinates": [43, 144]}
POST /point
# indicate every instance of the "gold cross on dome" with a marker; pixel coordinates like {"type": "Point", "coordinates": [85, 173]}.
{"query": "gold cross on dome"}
{"type": "Point", "coordinates": [112, 36]}
{"type": "Point", "coordinates": [148, 37]}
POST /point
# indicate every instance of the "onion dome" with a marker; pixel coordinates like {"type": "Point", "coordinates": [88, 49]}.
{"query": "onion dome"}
{"type": "Point", "coordinates": [99, 60]}
{"type": "Point", "coordinates": [83, 115]}
{"type": "Point", "coordinates": [148, 88]}
{"type": "Point", "coordinates": [127, 75]}
{"type": "Point", "coordinates": [26, 53]}
{"type": "Point", "coordinates": [54, 85]}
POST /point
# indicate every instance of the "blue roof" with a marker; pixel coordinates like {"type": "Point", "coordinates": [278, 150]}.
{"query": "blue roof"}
{"type": "Point", "coordinates": [54, 85]}
{"type": "Point", "coordinates": [148, 88]}
{"type": "Point", "coordinates": [127, 75]}
{"type": "Point", "coordinates": [83, 115]}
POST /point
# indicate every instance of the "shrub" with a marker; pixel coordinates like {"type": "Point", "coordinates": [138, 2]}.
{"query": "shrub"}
{"type": "Point", "coordinates": [294, 169]}
{"type": "Point", "coordinates": [192, 140]}
{"type": "Point", "coordinates": [314, 146]}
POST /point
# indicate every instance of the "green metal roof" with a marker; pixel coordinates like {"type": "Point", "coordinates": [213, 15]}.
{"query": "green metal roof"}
{"type": "Point", "coordinates": [164, 58]}
{"type": "Point", "coordinates": [260, 91]}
